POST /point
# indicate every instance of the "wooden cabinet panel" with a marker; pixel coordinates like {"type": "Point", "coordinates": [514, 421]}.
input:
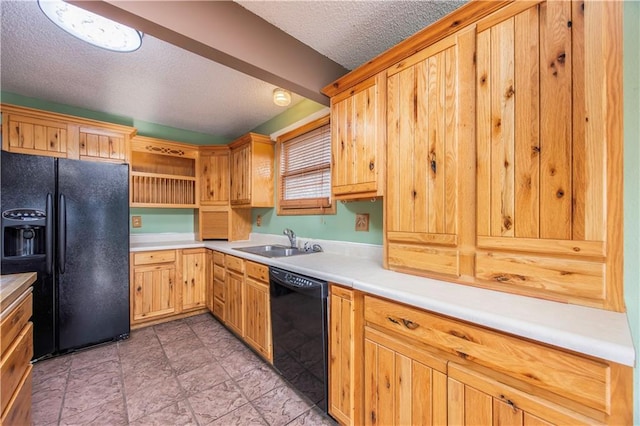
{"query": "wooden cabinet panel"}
{"type": "Point", "coordinates": [193, 279]}
{"type": "Point", "coordinates": [15, 322]}
{"type": "Point", "coordinates": [427, 180]}
{"type": "Point", "coordinates": [154, 293]}
{"type": "Point", "coordinates": [14, 365]}
{"type": "Point", "coordinates": [357, 140]}
{"type": "Point", "coordinates": [345, 349]}
{"type": "Point", "coordinates": [151, 257]}
{"type": "Point", "coordinates": [214, 176]}
{"type": "Point", "coordinates": [401, 384]}
{"type": "Point", "coordinates": [571, 376]}
{"type": "Point", "coordinates": [542, 153]}
{"type": "Point", "coordinates": [257, 320]}
{"type": "Point", "coordinates": [32, 131]}
{"type": "Point", "coordinates": [103, 145]}
{"type": "Point", "coordinates": [234, 301]}
{"type": "Point", "coordinates": [474, 399]}
{"type": "Point", "coordinates": [219, 286]}
{"type": "Point", "coordinates": [234, 263]}
{"type": "Point", "coordinates": [251, 169]}
{"type": "Point", "coordinates": [18, 411]}
{"type": "Point", "coordinates": [258, 271]}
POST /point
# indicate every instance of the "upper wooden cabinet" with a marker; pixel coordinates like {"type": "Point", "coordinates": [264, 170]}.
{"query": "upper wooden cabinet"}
{"type": "Point", "coordinates": [31, 131]}
{"type": "Point", "coordinates": [430, 157]}
{"type": "Point", "coordinates": [357, 140]}
{"type": "Point", "coordinates": [214, 176]}
{"type": "Point", "coordinates": [549, 165]}
{"type": "Point", "coordinates": [251, 168]}
{"type": "Point", "coordinates": [163, 173]}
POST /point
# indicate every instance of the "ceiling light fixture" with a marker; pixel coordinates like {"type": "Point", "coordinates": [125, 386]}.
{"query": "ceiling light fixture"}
{"type": "Point", "coordinates": [281, 97]}
{"type": "Point", "coordinates": [92, 28]}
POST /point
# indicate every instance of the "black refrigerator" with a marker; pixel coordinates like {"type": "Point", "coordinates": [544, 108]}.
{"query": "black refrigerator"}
{"type": "Point", "coordinates": [68, 221]}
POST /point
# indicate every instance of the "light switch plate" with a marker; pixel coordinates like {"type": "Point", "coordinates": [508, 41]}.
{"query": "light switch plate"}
{"type": "Point", "coordinates": [136, 221]}
{"type": "Point", "coordinates": [362, 222]}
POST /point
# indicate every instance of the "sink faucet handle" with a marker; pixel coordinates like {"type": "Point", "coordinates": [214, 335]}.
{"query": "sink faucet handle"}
{"type": "Point", "coordinates": [292, 236]}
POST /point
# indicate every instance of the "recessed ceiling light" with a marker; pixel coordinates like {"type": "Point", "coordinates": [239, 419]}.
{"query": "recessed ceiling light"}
{"type": "Point", "coordinates": [281, 97]}
{"type": "Point", "coordinates": [92, 28]}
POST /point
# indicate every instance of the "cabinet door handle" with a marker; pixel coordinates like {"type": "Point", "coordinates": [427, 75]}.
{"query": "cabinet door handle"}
{"type": "Point", "coordinates": [410, 324]}
{"type": "Point", "coordinates": [393, 320]}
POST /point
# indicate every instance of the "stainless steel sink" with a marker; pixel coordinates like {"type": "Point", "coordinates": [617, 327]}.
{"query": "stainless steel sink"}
{"type": "Point", "coordinates": [272, 250]}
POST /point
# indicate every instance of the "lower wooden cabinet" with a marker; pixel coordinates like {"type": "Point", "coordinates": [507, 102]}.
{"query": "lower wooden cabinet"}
{"type": "Point", "coordinates": [234, 302]}
{"type": "Point", "coordinates": [15, 366]}
{"type": "Point", "coordinates": [167, 284]}
{"type": "Point", "coordinates": [403, 385]}
{"type": "Point", "coordinates": [194, 279]}
{"type": "Point", "coordinates": [345, 349]}
{"type": "Point", "coordinates": [418, 367]}
{"type": "Point", "coordinates": [257, 310]}
{"type": "Point", "coordinates": [218, 307]}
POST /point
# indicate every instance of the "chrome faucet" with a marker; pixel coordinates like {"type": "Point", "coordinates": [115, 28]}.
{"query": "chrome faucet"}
{"type": "Point", "coordinates": [292, 236]}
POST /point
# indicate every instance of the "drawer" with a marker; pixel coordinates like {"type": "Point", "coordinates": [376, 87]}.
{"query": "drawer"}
{"type": "Point", "coordinates": [581, 379]}
{"type": "Point", "coordinates": [220, 289]}
{"type": "Point", "coordinates": [19, 408]}
{"type": "Point", "coordinates": [218, 309]}
{"type": "Point", "coordinates": [234, 263]}
{"type": "Point", "coordinates": [258, 271]}
{"type": "Point", "coordinates": [218, 258]}
{"type": "Point", "coordinates": [149, 257]}
{"type": "Point", "coordinates": [13, 324]}
{"type": "Point", "coordinates": [218, 273]}
{"type": "Point", "coordinates": [14, 364]}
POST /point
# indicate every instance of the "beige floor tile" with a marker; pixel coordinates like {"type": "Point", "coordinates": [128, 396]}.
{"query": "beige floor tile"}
{"type": "Point", "coordinates": [216, 402]}
{"type": "Point", "coordinates": [280, 406]}
{"type": "Point", "coordinates": [175, 414]}
{"type": "Point", "coordinates": [155, 397]}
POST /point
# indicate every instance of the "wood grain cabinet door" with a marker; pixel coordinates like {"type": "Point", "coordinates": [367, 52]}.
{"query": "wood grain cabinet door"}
{"type": "Point", "coordinates": [214, 177]}
{"type": "Point", "coordinates": [427, 186]}
{"type": "Point", "coordinates": [357, 140]}
{"type": "Point", "coordinates": [402, 385]}
{"type": "Point", "coordinates": [234, 302]}
{"type": "Point", "coordinates": [544, 151]}
{"type": "Point", "coordinates": [38, 136]}
{"type": "Point", "coordinates": [241, 175]}
{"type": "Point", "coordinates": [257, 310]}
{"type": "Point", "coordinates": [194, 279]}
{"type": "Point", "coordinates": [154, 292]}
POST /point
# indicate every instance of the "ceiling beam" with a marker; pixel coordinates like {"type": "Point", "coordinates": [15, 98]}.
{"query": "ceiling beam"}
{"type": "Point", "coordinates": [227, 33]}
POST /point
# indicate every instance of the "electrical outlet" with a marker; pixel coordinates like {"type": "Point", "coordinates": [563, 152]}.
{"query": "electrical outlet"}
{"type": "Point", "coordinates": [362, 222]}
{"type": "Point", "coordinates": [136, 221]}
{"type": "Point", "coordinates": [258, 220]}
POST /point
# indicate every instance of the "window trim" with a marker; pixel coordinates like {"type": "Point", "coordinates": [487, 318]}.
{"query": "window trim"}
{"type": "Point", "coordinates": [291, 209]}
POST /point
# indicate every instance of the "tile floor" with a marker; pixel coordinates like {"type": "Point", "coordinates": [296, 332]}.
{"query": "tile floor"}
{"type": "Point", "coordinates": [185, 372]}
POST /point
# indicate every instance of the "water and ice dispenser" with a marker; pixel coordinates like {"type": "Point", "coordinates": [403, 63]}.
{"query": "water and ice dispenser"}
{"type": "Point", "coordinates": [24, 233]}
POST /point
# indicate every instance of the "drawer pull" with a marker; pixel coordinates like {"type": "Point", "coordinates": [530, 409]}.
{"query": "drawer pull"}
{"type": "Point", "coordinates": [410, 324]}
{"type": "Point", "coordinates": [393, 320]}
{"type": "Point", "coordinates": [509, 402]}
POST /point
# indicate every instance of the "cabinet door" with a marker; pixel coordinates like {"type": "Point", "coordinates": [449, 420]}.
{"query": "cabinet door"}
{"type": "Point", "coordinates": [476, 400]}
{"type": "Point", "coordinates": [154, 293]}
{"type": "Point", "coordinates": [39, 136]}
{"type": "Point", "coordinates": [234, 304]}
{"type": "Point", "coordinates": [102, 145]}
{"type": "Point", "coordinates": [193, 279]}
{"type": "Point", "coordinates": [257, 322]}
{"type": "Point", "coordinates": [428, 187]}
{"type": "Point", "coordinates": [542, 149]}
{"type": "Point", "coordinates": [209, 280]}
{"type": "Point", "coordinates": [357, 140]}
{"type": "Point", "coordinates": [240, 169]}
{"type": "Point", "coordinates": [214, 178]}
{"type": "Point", "coordinates": [401, 385]}
{"type": "Point", "coordinates": [345, 349]}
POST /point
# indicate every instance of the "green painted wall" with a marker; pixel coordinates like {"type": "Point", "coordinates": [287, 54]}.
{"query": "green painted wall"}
{"type": "Point", "coordinates": [340, 226]}
{"type": "Point", "coordinates": [631, 26]}
{"type": "Point", "coordinates": [297, 112]}
{"type": "Point", "coordinates": [162, 220]}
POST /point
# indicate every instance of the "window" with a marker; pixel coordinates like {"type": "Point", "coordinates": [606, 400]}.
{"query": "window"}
{"type": "Point", "coordinates": [304, 172]}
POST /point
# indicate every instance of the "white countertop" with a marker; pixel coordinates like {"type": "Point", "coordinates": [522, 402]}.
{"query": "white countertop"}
{"type": "Point", "coordinates": [595, 332]}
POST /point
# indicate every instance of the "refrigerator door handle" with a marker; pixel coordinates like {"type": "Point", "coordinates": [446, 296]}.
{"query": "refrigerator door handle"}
{"type": "Point", "coordinates": [62, 233]}
{"type": "Point", "coordinates": [49, 234]}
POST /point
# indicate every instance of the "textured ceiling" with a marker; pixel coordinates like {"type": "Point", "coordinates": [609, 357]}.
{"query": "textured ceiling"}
{"type": "Point", "coordinates": [351, 32]}
{"type": "Point", "coordinates": [163, 84]}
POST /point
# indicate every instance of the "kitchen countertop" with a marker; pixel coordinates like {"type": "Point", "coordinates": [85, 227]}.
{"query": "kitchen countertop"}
{"type": "Point", "coordinates": [13, 286]}
{"type": "Point", "coordinates": [596, 332]}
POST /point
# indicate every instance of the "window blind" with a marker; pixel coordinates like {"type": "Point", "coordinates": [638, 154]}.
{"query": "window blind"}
{"type": "Point", "coordinates": [305, 170]}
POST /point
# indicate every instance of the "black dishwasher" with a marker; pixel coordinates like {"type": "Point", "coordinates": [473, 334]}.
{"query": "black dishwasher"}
{"type": "Point", "coordinates": [299, 328]}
